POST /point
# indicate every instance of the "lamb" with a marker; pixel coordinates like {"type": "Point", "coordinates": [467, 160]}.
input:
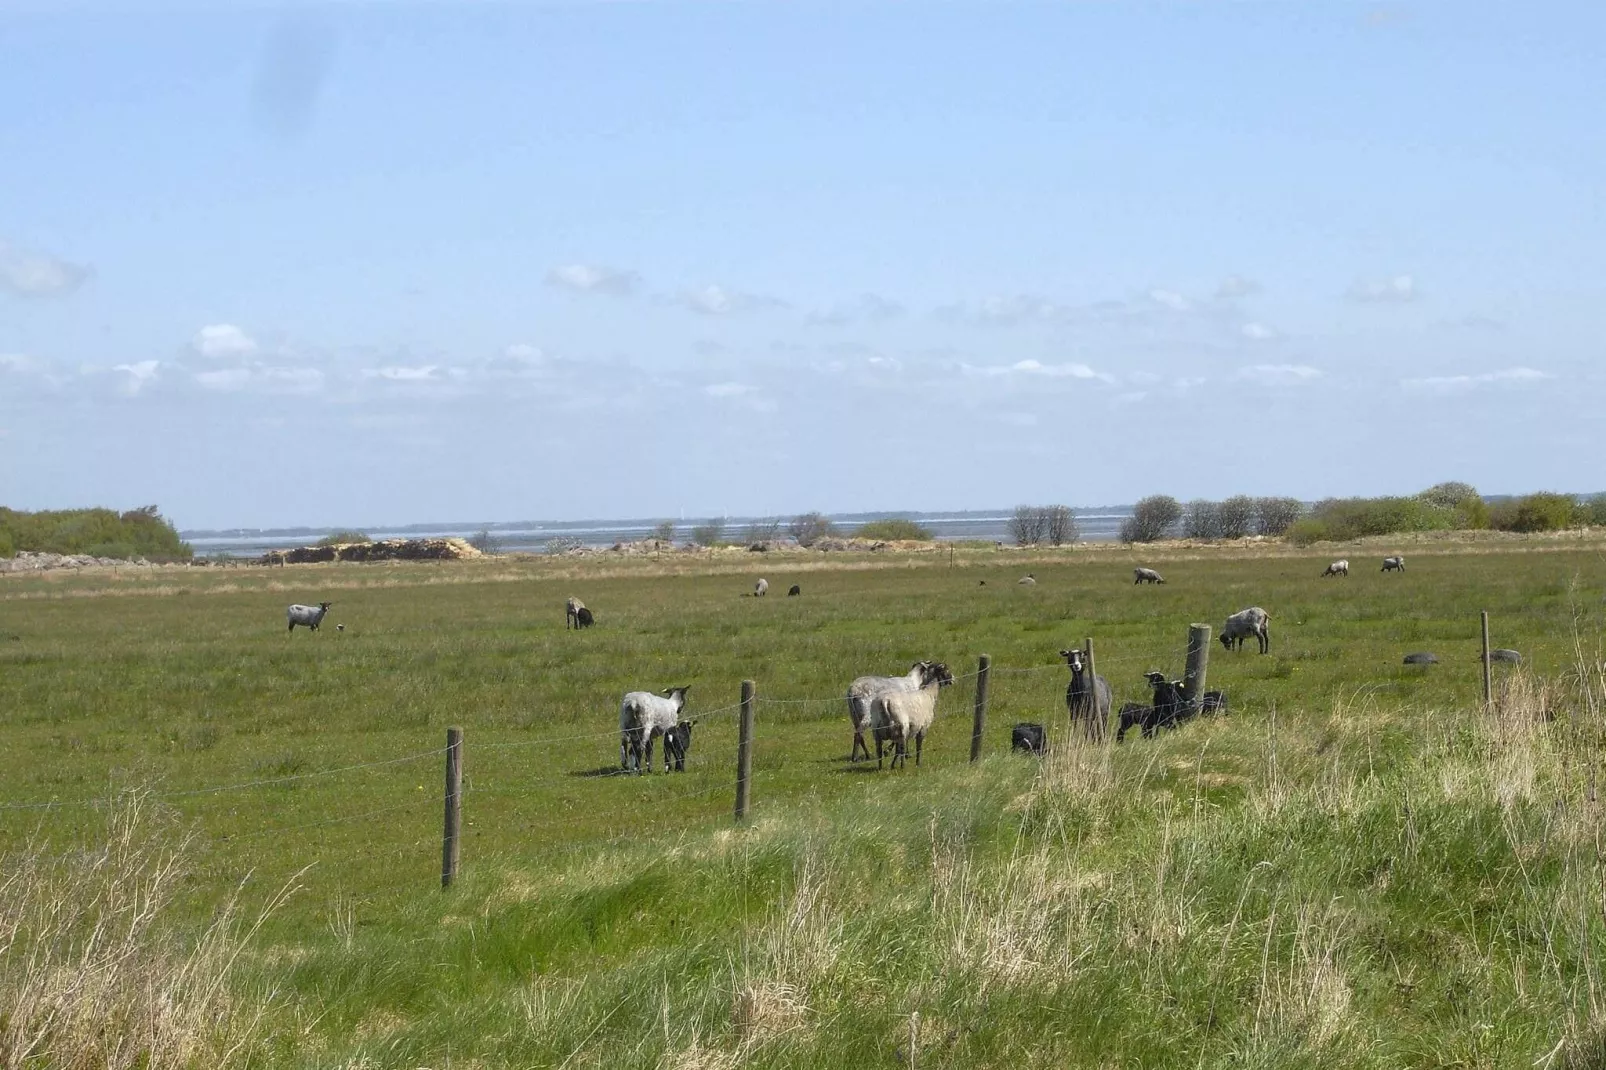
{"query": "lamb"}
{"type": "Point", "coordinates": [761, 588]}
{"type": "Point", "coordinates": [1171, 706]}
{"type": "Point", "coordinates": [863, 691]}
{"type": "Point", "coordinates": [310, 616]}
{"type": "Point", "coordinates": [1146, 575]}
{"type": "Point", "coordinates": [1028, 737]}
{"type": "Point", "coordinates": [1087, 700]}
{"type": "Point", "coordinates": [644, 715]}
{"type": "Point", "coordinates": [677, 741]}
{"type": "Point", "coordinates": [794, 591]}
{"type": "Point", "coordinates": [571, 616]}
{"type": "Point", "coordinates": [1027, 580]}
{"type": "Point", "coordinates": [895, 716]}
{"type": "Point", "coordinates": [1134, 714]}
{"type": "Point", "coordinates": [1337, 568]}
{"type": "Point", "coordinates": [584, 619]}
{"type": "Point", "coordinates": [1240, 626]}
{"type": "Point", "coordinates": [1393, 564]}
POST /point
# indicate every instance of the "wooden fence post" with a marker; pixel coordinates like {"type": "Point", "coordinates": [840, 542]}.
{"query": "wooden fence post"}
{"type": "Point", "coordinates": [744, 752]}
{"type": "Point", "coordinates": [451, 850]}
{"type": "Point", "coordinates": [1096, 725]}
{"type": "Point", "coordinates": [983, 668]}
{"type": "Point", "coordinates": [1488, 690]}
{"type": "Point", "coordinates": [1193, 677]}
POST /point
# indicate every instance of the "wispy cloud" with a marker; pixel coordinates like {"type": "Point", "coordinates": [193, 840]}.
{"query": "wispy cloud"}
{"type": "Point", "coordinates": [32, 274]}
{"type": "Point", "coordinates": [1236, 287]}
{"type": "Point", "coordinates": [1399, 290]}
{"type": "Point", "coordinates": [1170, 299]}
{"type": "Point", "coordinates": [1038, 368]}
{"type": "Point", "coordinates": [1258, 332]}
{"type": "Point", "coordinates": [867, 308]}
{"type": "Point", "coordinates": [401, 374]}
{"type": "Point", "coordinates": [223, 341]}
{"type": "Point", "coordinates": [1451, 383]}
{"type": "Point", "coordinates": [1279, 373]}
{"type": "Point", "coordinates": [713, 300]}
{"type": "Point", "coordinates": [140, 375]}
{"type": "Point", "coordinates": [594, 278]}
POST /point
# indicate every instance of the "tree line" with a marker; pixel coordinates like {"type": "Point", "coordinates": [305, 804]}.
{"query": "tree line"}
{"type": "Point", "coordinates": [140, 532]}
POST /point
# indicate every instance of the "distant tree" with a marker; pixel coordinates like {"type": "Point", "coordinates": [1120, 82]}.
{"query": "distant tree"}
{"type": "Point", "coordinates": [1152, 519]}
{"type": "Point", "coordinates": [1545, 511]}
{"type": "Point", "coordinates": [1274, 516]}
{"type": "Point", "coordinates": [710, 533]}
{"type": "Point", "coordinates": [342, 538]}
{"type": "Point", "coordinates": [486, 543]}
{"type": "Point", "coordinates": [1448, 495]}
{"type": "Point", "coordinates": [1235, 517]}
{"type": "Point", "coordinates": [563, 544]}
{"type": "Point", "coordinates": [1203, 520]}
{"type": "Point", "coordinates": [764, 531]}
{"type": "Point", "coordinates": [665, 531]}
{"type": "Point", "coordinates": [1061, 522]}
{"type": "Point", "coordinates": [810, 528]}
{"type": "Point", "coordinates": [894, 529]}
{"type": "Point", "coordinates": [1028, 526]}
{"type": "Point", "coordinates": [1593, 512]}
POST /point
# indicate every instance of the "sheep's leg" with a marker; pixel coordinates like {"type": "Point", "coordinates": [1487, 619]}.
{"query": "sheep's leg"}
{"type": "Point", "coordinates": [879, 743]}
{"type": "Point", "coordinates": [647, 768]}
{"type": "Point", "coordinates": [920, 742]}
{"type": "Point", "coordinates": [858, 745]}
{"type": "Point", "coordinates": [292, 626]}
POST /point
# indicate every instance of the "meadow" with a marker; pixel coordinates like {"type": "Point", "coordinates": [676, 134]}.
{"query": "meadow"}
{"type": "Point", "coordinates": [1359, 866]}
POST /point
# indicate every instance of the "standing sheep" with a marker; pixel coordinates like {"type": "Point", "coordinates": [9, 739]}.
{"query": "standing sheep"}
{"type": "Point", "coordinates": [895, 716]}
{"type": "Point", "coordinates": [1146, 575]}
{"type": "Point", "coordinates": [761, 588]}
{"type": "Point", "coordinates": [644, 715]}
{"type": "Point", "coordinates": [310, 616]}
{"type": "Point", "coordinates": [862, 694]}
{"type": "Point", "coordinates": [1253, 621]}
{"type": "Point", "coordinates": [1027, 580]}
{"type": "Point", "coordinates": [1087, 699]}
{"type": "Point", "coordinates": [1337, 568]}
{"type": "Point", "coordinates": [571, 614]}
{"type": "Point", "coordinates": [794, 591]}
{"type": "Point", "coordinates": [1393, 564]}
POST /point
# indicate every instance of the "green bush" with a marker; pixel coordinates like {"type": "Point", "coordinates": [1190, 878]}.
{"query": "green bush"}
{"type": "Point", "coordinates": [1343, 519]}
{"type": "Point", "coordinates": [343, 538]}
{"type": "Point", "coordinates": [1545, 511]}
{"type": "Point", "coordinates": [1152, 519]}
{"type": "Point", "coordinates": [709, 534]}
{"type": "Point", "coordinates": [135, 533]}
{"type": "Point", "coordinates": [1593, 512]}
{"type": "Point", "coordinates": [896, 529]}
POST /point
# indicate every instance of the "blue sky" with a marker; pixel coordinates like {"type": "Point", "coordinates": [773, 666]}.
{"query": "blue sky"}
{"type": "Point", "coordinates": [379, 262]}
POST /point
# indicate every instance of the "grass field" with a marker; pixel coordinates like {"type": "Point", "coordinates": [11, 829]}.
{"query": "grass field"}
{"type": "Point", "coordinates": [1356, 868]}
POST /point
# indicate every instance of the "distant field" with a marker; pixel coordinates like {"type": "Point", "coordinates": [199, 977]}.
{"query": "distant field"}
{"type": "Point", "coordinates": [185, 683]}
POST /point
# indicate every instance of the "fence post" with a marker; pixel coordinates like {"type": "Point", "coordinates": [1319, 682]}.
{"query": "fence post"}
{"type": "Point", "coordinates": [1096, 725]}
{"type": "Point", "coordinates": [451, 851]}
{"type": "Point", "coordinates": [1193, 677]}
{"type": "Point", "coordinates": [979, 725]}
{"type": "Point", "coordinates": [744, 751]}
{"type": "Point", "coordinates": [1488, 690]}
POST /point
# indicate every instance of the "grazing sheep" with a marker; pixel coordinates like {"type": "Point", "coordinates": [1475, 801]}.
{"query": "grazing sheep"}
{"type": "Point", "coordinates": [642, 716]}
{"type": "Point", "coordinates": [1240, 626]}
{"type": "Point", "coordinates": [863, 691]}
{"type": "Point", "coordinates": [1028, 737]}
{"type": "Point", "coordinates": [1337, 568]}
{"type": "Point", "coordinates": [1423, 658]}
{"type": "Point", "coordinates": [1027, 580]}
{"type": "Point", "coordinates": [584, 619]}
{"type": "Point", "coordinates": [1510, 657]}
{"type": "Point", "coordinates": [310, 616]}
{"type": "Point", "coordinates": [1134, 714]}
{"type": "Point", "coordinates": [571, 613]}
{"type": "Point", "coordinates": [340, 627]}
{"type": "Point", "coordinates": [677, 741]}
{"type": "Point", "coordinates": [761, 588]}
{"type": "Point", "coordinates": [793, 591]}
{"type": "Point", "coordinates": [1087, 700]}
{"type": "Point", "coordinates": [1393, 564]}
{"type": "Point", "coordinates": [1146, 575]}
{"type": "Point", "coordinates": [895, 716]}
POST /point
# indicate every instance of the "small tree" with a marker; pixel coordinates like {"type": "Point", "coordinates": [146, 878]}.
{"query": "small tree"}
{"type": "Point", "coordinates": [1061, 523]}
{"type": "Point", "coordinates": [1152, 519]}
{"type": "Point", "coordinates": [1448, 495]}
{"type": "Point", "coordinates": [1028, 526]}
{"type": "Point", "coordinates": [563, 544]}
{"type": "Point", "coordinates": [1235, 517]}
{"type": "Point", "coordinates": [1592, 512]}
{"type": "Point", "coordinates": [764, 531]}
{"type": "Point", "coordinates": [486, 543]}
{"type": "Point", "coordinates": [342, 538]}
{"type": "Point", "coordinates": [1203, 520]}
{"type": "Point", "coordinates": [810, 528]}
{"type": "Point", "coordinates": [894, 529]}
{"type": "Point", "coordinates": [665, 531]}
{"type": "Point", "coordinates": [710, 533]}
{"type": "Point", "coordinates": [1545, 511]}
{"type": "Point", "coordinates": [1274, 516]}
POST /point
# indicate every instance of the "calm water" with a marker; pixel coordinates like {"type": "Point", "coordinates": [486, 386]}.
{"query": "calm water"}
{"type": "Point", "coordinates": [1097, 525]}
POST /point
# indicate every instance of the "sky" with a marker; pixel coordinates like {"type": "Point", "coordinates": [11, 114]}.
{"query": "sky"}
{"type": "Point", "coordinates": [375, 262]}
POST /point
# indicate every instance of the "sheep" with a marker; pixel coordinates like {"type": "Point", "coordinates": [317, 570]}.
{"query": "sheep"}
{"type": "Point", "coordinates": [643, 715]}
{"type": "Point", "coordinates": [571, 615]}
{"type": "Point", "coordinates": [310, 616]}
{"type": "Point", "coordinates": [1146, 575]}
{"type": "Point", "coordinates": [677, 741]}
{"type": "Point", "coordinates": [584, 619]}
{"type": "Point", "coordinates": [1510, 657]}
{"type": "Point", "coordinates": [1337, 568]}
{"type": "Point", "coordinates": [1422, 658]}
{"type": "Point", "coordinates": [1087, 701]}
{"type": "Point", "coordinates": [1134, 714]}
{"type": "Point", "coordinates": [1213, 702]}
{"type": "Point", "coordinates": [1027, 580]}
{"type": "Point", "coordinates": [761, 588]}
{"type": "Point", "coordinates": [1028, 737]}
{"type": "Point", "coordinates": [897, 715]}
{"type": "Point", "coordinates": [1393, 564]}
{"type": "Point", "coordinates": [863, 691]}
{"type": "Point", "coordinates": [1171, 706]}
{"type": "Point", "coordinates": [1240, 626]}
{"type": "Point", "coordinates": [793, 591]}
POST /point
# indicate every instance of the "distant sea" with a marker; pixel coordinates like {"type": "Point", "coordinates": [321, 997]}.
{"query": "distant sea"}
{"type": "Point", "coordinates": [1096, 525]}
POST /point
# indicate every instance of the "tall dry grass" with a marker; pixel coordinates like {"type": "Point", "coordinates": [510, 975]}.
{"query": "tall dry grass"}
{"type": "Point", "coordinates": [93, 972]}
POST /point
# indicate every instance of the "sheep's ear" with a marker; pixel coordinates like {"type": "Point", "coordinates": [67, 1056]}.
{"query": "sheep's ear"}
{"type": "Point", "coordinates": [689, 724]}
{"type": "Point", "coordinates": [1065, 653]}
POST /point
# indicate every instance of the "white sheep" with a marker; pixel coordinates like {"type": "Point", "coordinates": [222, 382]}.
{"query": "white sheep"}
{"type": "Point", "coordinates": [644, 716]}
{"type": "Point", "coordinates": [1027, 580]}
{"type": "Point", "coordinates": [1337, 568]}
{"type": "Point", "coordinates": [761, 588]}
{"type": "Point", "coordinates": [862, 694]}
{"type": "Point", "coordinates": [1393, 564]}
{"type": "Point", "coordinates": [571, 617]}
{"type": "Point", "coordinates": [1240, 626]}
{"type": "Point", "coordinates": [895, 716]}
{"type": "Point", "coordinates": [1146, 575]}
{"type": "Point", "coordinates": [311, 616]}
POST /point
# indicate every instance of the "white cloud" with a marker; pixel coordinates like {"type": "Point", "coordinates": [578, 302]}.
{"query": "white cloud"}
{"type": "Point", "coordinates": [1448, 383]}
{"type": "Point", "coordinates": [868, 308]}
{"type": "Point", "coordinates": [594, 278]}
{"type": "Point", "coordinates": [728, 390]}
{"type": "Point", "coordinates": [1235, 287]}
{"type": "Point", "coordinates": [273, 379]}
{"type": "Point", "coordinates": [139, 375]}
{"type": "Point", "coordinates": [30, 274]}
{"type": "Point", "coordinates": [521, 352]}
{"type": "Point", "coordinates": [712, 300]}
{"type": "Point", "coordinates": [1170, 299]}
{"type": "Point", "coordinates": [396, 374]}
{"type": "Point", "coordinates": [1257, 331]}
{"type": "Point", "coordinates": [1279, 373]}
{"type": "Point", "coordinates": [1397, 290]}
{"type": "Point", "coordinates": [223, 341]}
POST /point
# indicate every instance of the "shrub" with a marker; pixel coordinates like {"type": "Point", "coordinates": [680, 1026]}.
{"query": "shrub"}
{"type": "Point", "coordinates": [711, 533]}
{"type": "Point", "coordinates": [1448, 495]}
{"type": "Point", "coordinates": [1027, 526]}
{"type": "Point", "coordinates": [341, 538]}
{"type": "Point", "coordinates": [1342, 519]}
{"type": "Point", "coordinates": [764, 530]}
{"type": "Point", "coordinates": [138, 533]}
{"type": "Point", "coordinates": [1152, 519]}
{"type": "Point", "coordinates": [1062, 525]}
{"type": "Point", "coordinates": [1203, 520]}
{"type": "Point", "coordinates": [665, 531]}
{"type": "Point", "coordinates": [486, 543]}
{"type": "Point", "coordinates": [894, 529]}
{"type": "Point", "coordinates": [1593, 512]}
{"type": "Point", "coordinates": [1544, 511]}
{"type": "Point", "coordinates": [1274, 516]}
{"type": "Point", "coordinates": [8, 547]}
{"type": "Point", "coordinates": [1236, 517]}
{"type": "Point", "coordinates": [810, 528]}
